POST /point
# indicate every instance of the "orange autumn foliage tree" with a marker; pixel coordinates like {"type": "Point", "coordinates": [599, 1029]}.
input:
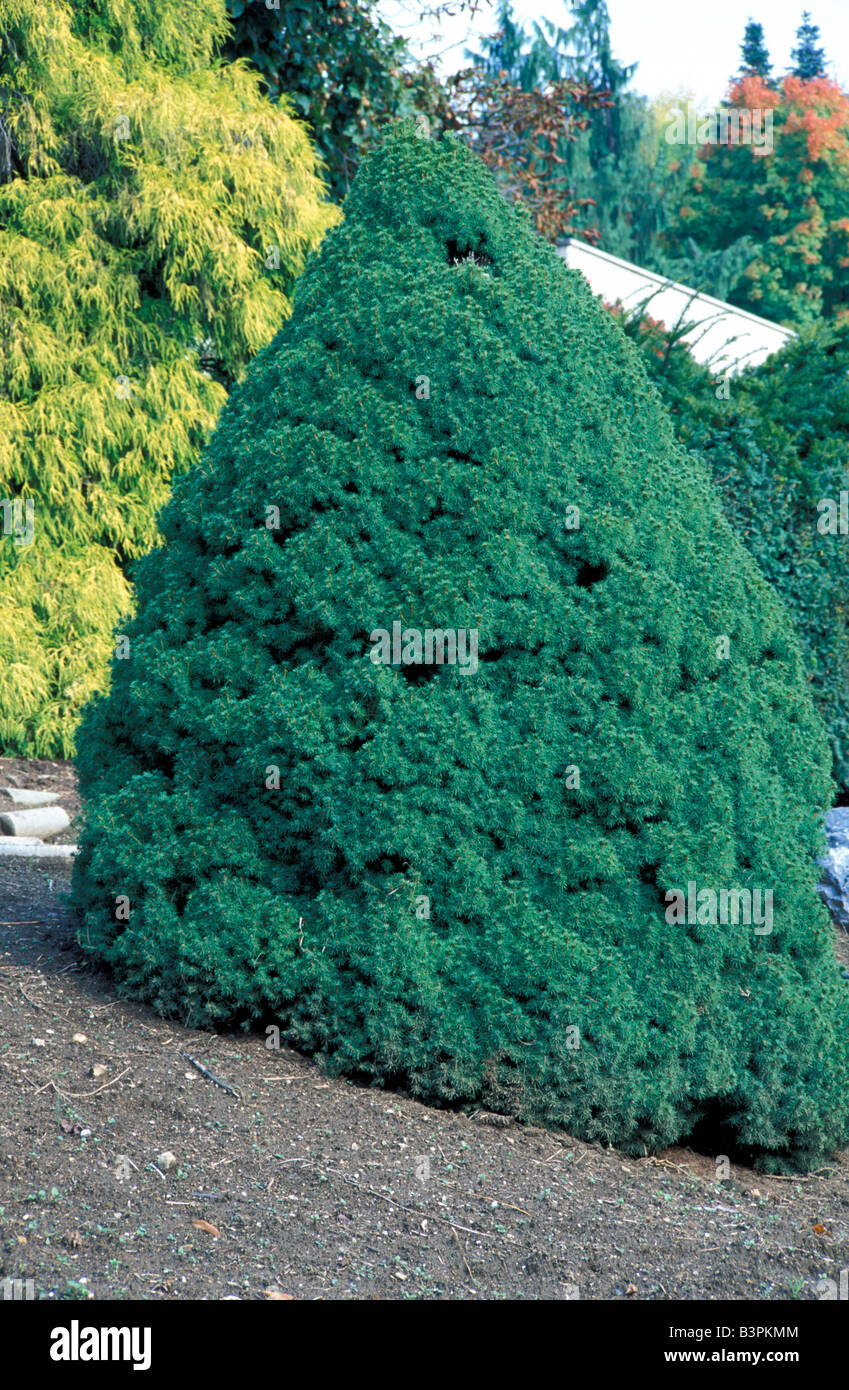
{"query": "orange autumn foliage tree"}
{"type": "Point", "coordinates": [790, 196]}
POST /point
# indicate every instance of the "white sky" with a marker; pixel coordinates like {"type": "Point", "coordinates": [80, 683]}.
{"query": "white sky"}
{"type": "Point", "coordinates": [679, 45]}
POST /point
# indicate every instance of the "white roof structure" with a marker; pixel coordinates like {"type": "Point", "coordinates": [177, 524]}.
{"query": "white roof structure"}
{"type": "Point", "coordinates": [721, 337]}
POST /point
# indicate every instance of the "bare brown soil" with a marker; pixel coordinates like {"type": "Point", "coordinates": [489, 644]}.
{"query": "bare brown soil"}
{"type": "Point", "coordinates": [316, 1188]}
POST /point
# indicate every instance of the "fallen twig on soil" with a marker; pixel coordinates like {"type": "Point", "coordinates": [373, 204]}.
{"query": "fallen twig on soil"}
{"type": "Point", "coordinates": [85, 1095]}
{"type": "Point", "coordinates": [666, 1163]}
{"type": "Point", "coordinates": [486, 1197]}
{"type": "Point", "coordinates": [430, 1215]}
{"type": "Point", "coordinates": [463, 1257]}
{"type": "Point", "coordinates": [204, 1071]}
{"type": "Point", "coordinates": [31, 1001]}
{"type": "Point", "coordinates": [795, 1177]}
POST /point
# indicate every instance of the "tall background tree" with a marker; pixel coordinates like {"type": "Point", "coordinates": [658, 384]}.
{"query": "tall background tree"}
{"type": "Point", "coordinates": [155, 210]}
{"type": "Point", "coordinates": [521, 107]}
{"type": "Point", "coordinates": [808, 57]}
{"type": "Point", "coordinates": [612, 175]}
{"type": "Point", "coordinates": [753, 51]}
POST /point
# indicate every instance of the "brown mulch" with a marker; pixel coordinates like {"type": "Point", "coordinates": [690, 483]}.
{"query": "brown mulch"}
{"type": "Point", "coordinates": [322, 1188]}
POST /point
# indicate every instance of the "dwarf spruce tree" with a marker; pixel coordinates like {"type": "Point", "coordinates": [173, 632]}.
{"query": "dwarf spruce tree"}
{"type": "Point", "coordinates": [155, 210]}
{"type": "Point", "coordinates": [456, 735]}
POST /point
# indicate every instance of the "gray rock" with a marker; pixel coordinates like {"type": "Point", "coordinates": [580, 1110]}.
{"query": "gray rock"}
{"type": "Point", "coordinates": [30, 798]}
{"type": "Point", "coordinates": [41, 821]}
{"type": "Point", "coordinates": [834, 885]}
{"type": "Point", "coordinates": [29, 847]}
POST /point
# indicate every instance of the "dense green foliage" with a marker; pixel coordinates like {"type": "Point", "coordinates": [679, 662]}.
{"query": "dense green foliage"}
{"type": "Point", "coordinates": [776, 440]}
{"type": "Point", "coordinates": [341, 65]}
{"type": "Point", "coordinates": [456, 878]}
{"type": "Point", "coordinates": [154, 213]}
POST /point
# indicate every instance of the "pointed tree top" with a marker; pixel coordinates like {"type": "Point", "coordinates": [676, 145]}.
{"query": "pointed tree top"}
{"type": "Point", "coordinates": [809, 59]}
{"type": "Point", "coordinates": [754, 53]}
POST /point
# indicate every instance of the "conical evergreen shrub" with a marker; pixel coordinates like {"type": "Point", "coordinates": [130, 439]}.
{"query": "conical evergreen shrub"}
{"type": "Point", "coordinates": [455, 875]}
{"type": "Point", "coordinates": [155, 211]}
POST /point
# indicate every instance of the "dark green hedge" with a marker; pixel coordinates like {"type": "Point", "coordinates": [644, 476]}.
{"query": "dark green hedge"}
{"type": "Point", "coordinates": [776, 440]}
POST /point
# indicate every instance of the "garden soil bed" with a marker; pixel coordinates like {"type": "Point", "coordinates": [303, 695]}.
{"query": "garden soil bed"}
{"type": "Point", "coordinates": [314, 1188]}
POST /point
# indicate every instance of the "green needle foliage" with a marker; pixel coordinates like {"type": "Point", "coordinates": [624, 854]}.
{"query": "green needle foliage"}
{"type": "Point", "coordinates": [754, 54]}
{"type": "Point", "coordinates": [155, 210]}
{"type": "Point", "coordinates": [808, 57]}
{"type": "Point", "coordinates": [776, 440]}
{"type": "Point", "coordinates": [454, 876]}
{"type": "Point", "coordinates": [347, 74]}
